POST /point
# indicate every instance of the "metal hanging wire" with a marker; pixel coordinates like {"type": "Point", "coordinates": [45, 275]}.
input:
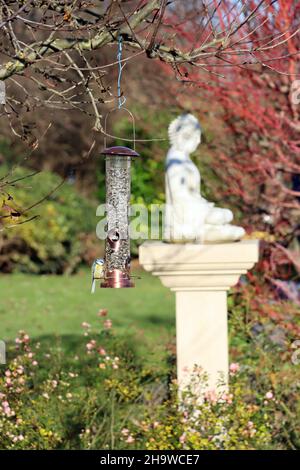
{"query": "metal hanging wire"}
{"type": "Point", "coordinates": [118, 108]}
{"type": "Point", "coordinates": [122, 101]}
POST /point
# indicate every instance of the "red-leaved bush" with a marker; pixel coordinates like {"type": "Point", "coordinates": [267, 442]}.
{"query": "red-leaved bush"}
{"type": "Point", "coordinates": [254, 95]}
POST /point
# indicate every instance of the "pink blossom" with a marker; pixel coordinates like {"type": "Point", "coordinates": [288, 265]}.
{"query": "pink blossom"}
{"type": "Point", "coordinates": [34, 363]}
{"type": "Point", "coordinates": [107, 324]}
{"type": "Point", "coordinates": [130, 440]}
{"type": "Point", "coordinates": [234, 367]}
{"type": "Point", "coordinates": [125, 431]}
{"type": "Point", "coordinates": [211, 396]}
{"type": "Point", "coordinates": [182, 438]}
{"type": "Point", "coordinates": [102, 351]}
{"type": "Point", "coordinates": [18, 438]}
{"type": "Point", "coordinates": [8, 412]}
{"type": "Point", "coordinates": [8, 382]}
{"type": "Point", "coordinates": [85, 325]}
{"type": "Point", "coordinates": [227, 398]}
{"type": "Point", "coordinates": [8, 373]}
{"type": "Point", "coordinates": [269, 395]}
{"type": "Point", "coordinates": [102, 312]}
{"type": "Point", "coordinates": [91, 345]}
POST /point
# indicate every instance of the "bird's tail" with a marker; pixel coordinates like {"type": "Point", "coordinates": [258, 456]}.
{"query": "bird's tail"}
{"type": "Point", "coordinates": [93, 286]}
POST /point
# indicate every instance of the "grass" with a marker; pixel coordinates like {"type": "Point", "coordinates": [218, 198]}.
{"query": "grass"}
{"type": "Point", "coordinates": [52, 308]}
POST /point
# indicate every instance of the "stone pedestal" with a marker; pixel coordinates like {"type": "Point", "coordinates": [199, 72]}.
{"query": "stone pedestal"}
{"type": "Point", "coordinates": [200, 275]}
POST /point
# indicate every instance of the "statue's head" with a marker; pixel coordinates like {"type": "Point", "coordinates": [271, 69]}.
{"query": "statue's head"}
{"type": "Point", "coordinates": [185, 133]}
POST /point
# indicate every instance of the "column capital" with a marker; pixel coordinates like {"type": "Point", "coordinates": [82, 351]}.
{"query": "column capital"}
{"type": "Point", "coordinates": [199, 267]}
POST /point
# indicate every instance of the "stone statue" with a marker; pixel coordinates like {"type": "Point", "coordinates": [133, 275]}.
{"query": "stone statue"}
{"type": "Point", "coordinates": [189, 217]}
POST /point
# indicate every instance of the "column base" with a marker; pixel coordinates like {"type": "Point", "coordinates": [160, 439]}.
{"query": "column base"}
{"type": "Point", "coordinates": [200, 275]}
{"type": "Point", "coordinates": [201, 336]}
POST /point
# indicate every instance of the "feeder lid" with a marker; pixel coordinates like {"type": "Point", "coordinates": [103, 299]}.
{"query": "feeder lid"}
{"type": "Point", "coordinates": [120, 151]}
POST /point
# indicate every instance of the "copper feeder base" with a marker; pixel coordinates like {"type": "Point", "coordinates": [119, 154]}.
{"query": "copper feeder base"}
{"type": "Point", "coordinates": [116, 279]}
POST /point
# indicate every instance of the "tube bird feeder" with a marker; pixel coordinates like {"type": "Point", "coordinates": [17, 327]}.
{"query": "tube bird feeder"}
{"type": "Point", "coordinates": [117, 243]}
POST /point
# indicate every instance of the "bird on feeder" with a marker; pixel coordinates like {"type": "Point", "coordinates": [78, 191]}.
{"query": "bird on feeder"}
{"type": "Point", "coordinates": [97, 272]}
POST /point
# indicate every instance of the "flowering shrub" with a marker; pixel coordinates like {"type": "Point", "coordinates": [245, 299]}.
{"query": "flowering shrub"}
{"type": "Point", "coordinates": [21, 423]}
{"type": "Point", "coordinates": [102, 395]}
{"type": "Point", "coordinates": [220, 421]}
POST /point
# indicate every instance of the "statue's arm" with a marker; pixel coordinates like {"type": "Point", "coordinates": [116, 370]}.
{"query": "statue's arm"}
{"type": "Point", "coordinates": [177, 180]}
{"type": "Point", "coordinates": [182, 187]}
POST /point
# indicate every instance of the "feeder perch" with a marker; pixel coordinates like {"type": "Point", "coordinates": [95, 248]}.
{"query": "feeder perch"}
{"type": "Point", "coordinates": [117, 243]}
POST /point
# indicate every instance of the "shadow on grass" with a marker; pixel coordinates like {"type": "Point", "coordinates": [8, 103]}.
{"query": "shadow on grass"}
{"type": "Point", "coordinates": [154, 319]}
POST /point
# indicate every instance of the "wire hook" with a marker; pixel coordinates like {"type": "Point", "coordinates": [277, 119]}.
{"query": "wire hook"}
{"type": "Point", "coordinates": [122, 99]}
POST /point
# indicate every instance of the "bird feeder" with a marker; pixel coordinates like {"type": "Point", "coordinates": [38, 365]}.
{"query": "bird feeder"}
{"type": "Point", "coordinates": [117, 242]}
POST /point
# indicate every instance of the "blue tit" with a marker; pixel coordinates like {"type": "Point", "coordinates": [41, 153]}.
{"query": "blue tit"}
{"type": "Point", "coordinates": [97, 272]}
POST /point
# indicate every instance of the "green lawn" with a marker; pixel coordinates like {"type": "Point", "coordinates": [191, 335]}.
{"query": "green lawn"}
{"type": "Point", "coordinates": [52, 307]}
